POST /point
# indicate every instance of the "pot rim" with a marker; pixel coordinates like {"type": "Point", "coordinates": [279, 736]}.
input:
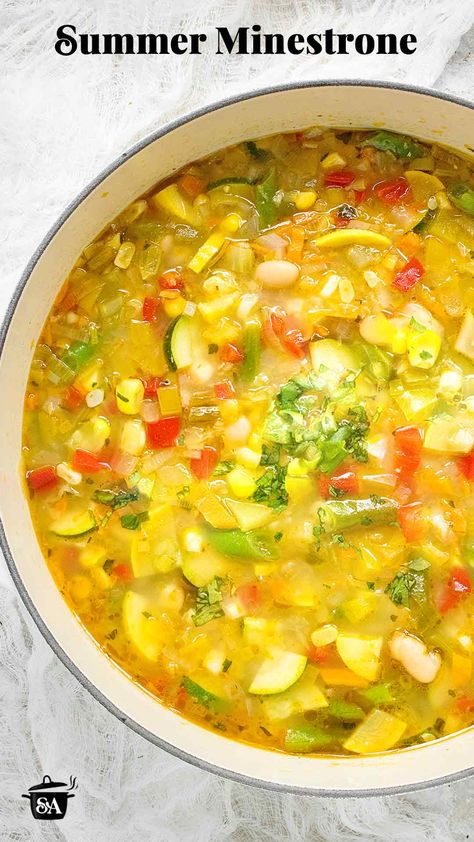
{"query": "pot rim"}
{"type": "Point", "coordinates": [98, 695]}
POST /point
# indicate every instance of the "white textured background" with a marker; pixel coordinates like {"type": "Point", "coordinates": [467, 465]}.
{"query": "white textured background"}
{"type": "Point", "coordinates": [61, 121]}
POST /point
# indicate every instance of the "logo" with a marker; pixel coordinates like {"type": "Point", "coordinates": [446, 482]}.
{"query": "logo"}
{"type": "Point", "coordinates": [48, 800]}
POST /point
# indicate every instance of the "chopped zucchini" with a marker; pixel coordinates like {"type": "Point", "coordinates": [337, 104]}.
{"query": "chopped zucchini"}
{"type": "Point", "coordinates": [146, 631]}
{"type": "Point", "coordinates": [332, 360]}
{"type": "Point", "coordinates": [204, 697]}
{"type": "Point", "coordinates": [74, 524]}
{"type": "Point", "coordinates": [378, 732]}
{"type": "Point", "coordinates": [305, 695]}
{"type": "Point", "coordinates": [178, 343]}
{"type": "Point", "coordinates": [360, 654]}
{"type": "Point", "coordinates": [278, 672]}
{"type": "Point", "coordinates": [250, 515]}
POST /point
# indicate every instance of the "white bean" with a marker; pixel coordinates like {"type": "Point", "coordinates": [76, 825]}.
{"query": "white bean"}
{"type": "Point", "coordinates": [412, 653]}
{"type": "Point", "coordinates": [277, 274]}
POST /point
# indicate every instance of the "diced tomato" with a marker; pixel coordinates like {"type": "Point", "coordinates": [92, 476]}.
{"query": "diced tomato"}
{"type": "Point", "coordinates": [341, 178]}
{"type": "Point", "coordinates": [88, 463]}
{"type": "Point", "coordinates": [393, 190]}
{"type": "Point", "coordinates": [409, 275]}
{"type": "Point", "coordinates": [293, 339]}
{"type": "Point", "coordinates": [408, 446]}
{"type": "Point", "coordinates": [231, 354]}
{"type": "Point", "coordinates": [164, 432]}
{"type": "Point", "coordinates": [299, 137]}
{"type": "Point", "coordinates": [73, 398]}
{"type": "Point", "coordinates": [412, 519]}
{"type": "Point", "coordinates": [191, 185]}
{"type": "Point", "coordinates": [150, 309]}
{"type": "Point", "coordinates": [203, 466]}
{"type": "Point", "coordinates": [465, 704]}
{"type": "Point", "coordinates": [318, 654]}
{"type": "Point", "coordinates": [224, 390]}
{"type": "Point", "coordinates": [286, 330]}
{"type": "Point", "coordinates": [181, 697]}
{"type": "Point", "coordinates": [172, 279]}
{"type": "Point", "coordinates": [346, 483]}
{"type": "Point", "coordinates": [457, 586]}
{"type": "Point", "coordinates": [44, 477]}
{"type": "Point", "coordinates": [466, 465]}
{"type": "Point", "coordinates": [123, 572]}
{"type": "Point", "coordinates": [249, 596]}
{"type": "Point", "coordinates": [359, 196]}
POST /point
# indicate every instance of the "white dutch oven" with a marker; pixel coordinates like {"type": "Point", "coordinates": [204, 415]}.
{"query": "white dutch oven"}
{"type": "Point", "coordinates": [340, 104]}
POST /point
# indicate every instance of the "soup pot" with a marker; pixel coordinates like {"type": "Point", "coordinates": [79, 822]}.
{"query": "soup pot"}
{"type": "Point", "coordinates": [428, 116]}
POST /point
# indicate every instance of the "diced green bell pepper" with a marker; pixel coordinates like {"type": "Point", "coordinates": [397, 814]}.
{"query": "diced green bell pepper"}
{"type": "Point", "coordinates": [462, 196]}
{"type": "Point", "coordinates": [397, 144]}
{"type": "Point", "coordinates": [251, 349]}
{"type": "Point", "coordinates": [336, 515]}
{"type": "Point", "coordinates": [265, 200]}
{"type": "Point", "coordinates": [238, 544]}
{"type": "Point", "coordinates": [305, 738]}
{"type": "Point", "coordinates": [78, 355]}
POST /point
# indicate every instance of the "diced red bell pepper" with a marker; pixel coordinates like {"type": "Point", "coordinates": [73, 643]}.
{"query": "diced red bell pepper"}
{"type": "Point", "coordinates": [346, 483]}
{"type": "Point", "coordinates": [203, 466]}
{"type": "Point", "coordinates": [172, 279]}
{"type": "Point", "coordinates": [123, 572]}
{"type": "Point", "coordinates": [409, 275]}
{"type": "Point", "coordinates": [393, 190]}
{"type": "Point", "coordinates": [152, 384]}
{"type": "Point", "coordinates": [408, 447]}
{"type": "Point", "coordinates": [249, 596]}
{"type": "Point", "coordinates": [339, 178]}
{"type": "Point", "coordinates": [73, 398]}
{"type": "Point", "coordinates": [465, 704]}
{"type": "Point", "coordinates": [88, 463]}
{"type": "Point", "coordinates": [231, 354]}
{"type": "Point", "coordinates": [340, 221]}
{"type": "Point", "coordinates": [44, 477]}
{"type": "Point", "coordinates": [466, 465]}
{"type": "Point", "coordinates": [224, 390]}
{"type": "Point", "coordinates": [318, 654]}
{"type": "Point", "coordinates": [457, 586]}
{"type": "Point", "coordinates": [293, 339]}
{"type": "Point", "coordinates": [412, 519]}
{"type": "Point", "coordinates": [164, 432]}
{"type": "Point", "coordinates": [150, 309]}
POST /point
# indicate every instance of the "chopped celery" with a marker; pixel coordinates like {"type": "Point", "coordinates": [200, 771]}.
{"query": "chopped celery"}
{"type": "Point", "coordinates": [58, 371]}
{"type": "Point", "coordinates": [78, 355]}
{"type": "Point", "coordinates": [265, 200]}
{"type": "Point", "coordinates": [238, 257]}
{"type": "Point", "coordinates": [377, 363]}
{"type": "Point", "coordinates": [462, 195]}
{"type": "Point", "coordinates": [465, 338]}
{"type": "Point", "coordinates": [149, 261]}
{"type": "Point", "coordinates": [151, 232]}
{"type": "Point", "coordinates": [398, 144]}
{"type": "Point", "coordinates": [251, 349]}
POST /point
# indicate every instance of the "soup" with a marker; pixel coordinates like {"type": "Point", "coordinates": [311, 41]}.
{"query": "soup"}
{"type": "Point", "coordinates": [249, 442]}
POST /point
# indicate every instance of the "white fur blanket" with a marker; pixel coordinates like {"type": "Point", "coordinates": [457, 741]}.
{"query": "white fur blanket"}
{"type": "Point", "coordinates": [61, 121]}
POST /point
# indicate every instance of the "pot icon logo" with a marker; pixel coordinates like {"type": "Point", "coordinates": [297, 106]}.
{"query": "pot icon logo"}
{"type": "Point", "coordinates": [48, 800]}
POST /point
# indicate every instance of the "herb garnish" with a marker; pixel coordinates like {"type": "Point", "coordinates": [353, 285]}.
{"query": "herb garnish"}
{"type": "Point", "coordinates": [208, 602]}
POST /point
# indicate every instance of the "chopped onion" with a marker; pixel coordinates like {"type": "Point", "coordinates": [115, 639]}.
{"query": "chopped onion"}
{"type": "Point", "coordinates": [272, 241]}
{"type": "Point", "coordinates": [151, 463]}
{"type": "Point", "coordinates": [189, 309]}
{"type": "Point", "coordinates": [150, 411]}
{"type": "Point", "coordinates": [123, 463]}
{"type": "Point", "coordinates": [51, 404]}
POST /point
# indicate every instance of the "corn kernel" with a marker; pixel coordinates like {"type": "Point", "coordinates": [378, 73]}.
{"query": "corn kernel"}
{"type": "Point", "coordinates": [332, 160]}
{"type": "Point", "coordinates": [133, 436]}
{"type": "Point", "coordinates": [174, 307]}
{"type": "Point", "coordinates": [212, 311]}
{"type": "Point", "coordinates": [304, 199]}
{"type": "Point", "coordinates": [241, 483]}
{"type": "Point", "coordinates": [229, 410]}
{"type": "Point", "coordinates": [265, 568]}
{"type": "Point", "coordinates": [129, 395]}
{"type": "Point", "coordinates": [399, 341]}
{"type": "Point", "coordinates": [92, 555]}
{"type": "Point", "coordinates": [346, 290]}
{"type": "Point", "coordinates": [324, 635]}
{"type": "Point", "coordinates": [247, 457]}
